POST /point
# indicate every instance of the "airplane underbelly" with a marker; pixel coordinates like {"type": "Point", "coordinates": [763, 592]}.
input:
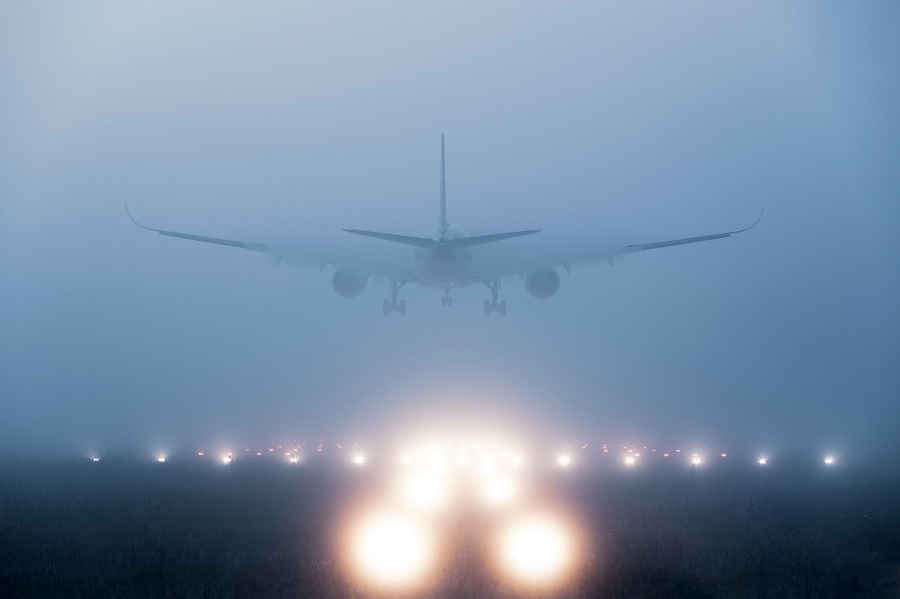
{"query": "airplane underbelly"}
{"type": "Point", "coordinates": [445, 272]}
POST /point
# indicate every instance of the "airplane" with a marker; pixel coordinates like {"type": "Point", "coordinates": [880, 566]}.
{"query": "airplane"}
{"type": "Point", "coordinates": [446, 260]}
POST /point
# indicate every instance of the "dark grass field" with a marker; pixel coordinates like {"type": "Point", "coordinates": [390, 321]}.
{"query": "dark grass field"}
{"type": "Point", "coordinates": [189, 528]}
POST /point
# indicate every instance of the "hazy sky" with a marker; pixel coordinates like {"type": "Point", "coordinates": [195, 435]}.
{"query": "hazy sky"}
{"type": "Point", "coordinates": [590, 120]}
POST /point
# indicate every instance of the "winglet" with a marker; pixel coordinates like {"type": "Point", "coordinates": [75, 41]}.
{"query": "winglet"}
{"type": "Point", "coordinates": [756, 222]}
{"type": "Point", "coordinates": [134, 221]}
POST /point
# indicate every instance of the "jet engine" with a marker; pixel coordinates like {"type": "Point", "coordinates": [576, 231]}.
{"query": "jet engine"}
{"type": "Point", "coordinates": [349, 283]}
{"type": "Point", "coordinates": [542, 283]}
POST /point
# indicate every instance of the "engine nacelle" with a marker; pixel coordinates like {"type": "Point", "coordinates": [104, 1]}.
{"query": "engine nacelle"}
{"type": "Point", "coordinates": [349, 283]}
{"type": "Point", "coordinates": [542, 283]}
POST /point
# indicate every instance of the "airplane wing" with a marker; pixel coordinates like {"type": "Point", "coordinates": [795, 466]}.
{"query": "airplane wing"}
{"type": "Point", "coordinates": [397, 272]}
{"type": "Point", "coordinates": [492, 270]}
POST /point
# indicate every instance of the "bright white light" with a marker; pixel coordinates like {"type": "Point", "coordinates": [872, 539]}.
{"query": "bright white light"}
{"type": "Point", "coordinates": [424, 491]}
{"type": "Point", "coordinates": [763, 460]}
{"type": "Point", "coordinates": [95, 459]}
{"type": "Point", "coordinates": [500, 490]}
{"type": "Point", "coordinates": [294, 459]}
{"type": "Point", "coordinates": [359, 459]}
{"type": "Point", "coordinates": [629, 461]}
{"type": "Point", "coordinates": [226, 459]}
{"type": "Point", "coordinates": [536, 550]}
{"type": "Point", "coordinates": [516, 460]}
{"type": "Point", "coordinates": [564, 460]}
{"type": "Point", "coordinates": [407, 459]}
{"type": "Point", "coordinates": [829, 460]}
{"type": "Point", "coordinates": [696, 461]}
{"type": "Point", "coordinates": [391, 550]}
{"type": "Point", "coordinates": [160, 458]}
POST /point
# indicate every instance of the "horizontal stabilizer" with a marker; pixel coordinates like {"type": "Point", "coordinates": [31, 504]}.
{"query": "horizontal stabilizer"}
{"type": "Point", "coordinates": [464, 242]}
{"type": "Point", "coordinates": [421, 242]}
{"type": "Point", "coordinates": [455, 244]}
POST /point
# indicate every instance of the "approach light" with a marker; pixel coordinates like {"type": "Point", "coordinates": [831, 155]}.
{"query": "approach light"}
{"type": "Point", "coordinates": [829, 460]}
{"type": "Point", "coordinates": [160, 458]}
{"type": "Point", "coordinates": [696, 460]}
{"type": "Point", "coordinates": [629, 461]}
{"type": "Point", "coordinates": [724, 455]}
{"type": "Point", "coordinates": [424, 491]}
{"type": "Point", "coordinates": [499, 491]}
{"type": "Point", "coordinates": [226, 459]}
{"type": "Point", "coordinates": [200, 454]}
{"type": "Point", "coordinates": [359, 459]}
{"type": "Point", "coordinates": [763, 460]}
{"type": "Point", "coordinates": [390, 550]}
{"type": "Point", "coordinates": [95, 458]}
{"type": "Point", "coordinates": [564, 461]}
{"type": "Point", "coordinates": [293, 459]}
{"type": "Point", "coordinates": [536, 550]}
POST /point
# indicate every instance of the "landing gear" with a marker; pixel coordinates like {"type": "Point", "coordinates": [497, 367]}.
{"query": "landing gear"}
{"type": "Point", "coordinates": [446, 300]}
{"type": "Point", "coordinates": [393, 305]}
{"type": "Point", "coordinates": [493, 305]}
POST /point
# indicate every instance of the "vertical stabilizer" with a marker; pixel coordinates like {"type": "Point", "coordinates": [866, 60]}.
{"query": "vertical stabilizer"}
{"type": "Point", "coordinates": [443, 224]}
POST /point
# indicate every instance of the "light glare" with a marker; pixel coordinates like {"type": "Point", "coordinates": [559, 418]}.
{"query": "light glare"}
{"type": "Point", "coordinates": [391, 550]}
{"type": "Point", "coordinates": [536, 550]}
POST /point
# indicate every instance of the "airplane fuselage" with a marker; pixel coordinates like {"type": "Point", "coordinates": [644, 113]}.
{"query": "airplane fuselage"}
{"type": "Point", "coordinates": [443, 267]}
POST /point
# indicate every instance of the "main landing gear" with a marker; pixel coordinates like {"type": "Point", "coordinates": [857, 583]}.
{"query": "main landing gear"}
{"type": "Point", "coordinates": [446, 300]}
{"type": "Point", "coordinates": [394, 305]}
{"type": "Point", "coordinates": [494, 305]}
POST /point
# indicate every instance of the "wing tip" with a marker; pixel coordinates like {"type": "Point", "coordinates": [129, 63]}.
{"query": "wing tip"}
{"type": "Point", "coordinates": [127, 211]}
{"type": "Point", "coordinates": [756, 222]}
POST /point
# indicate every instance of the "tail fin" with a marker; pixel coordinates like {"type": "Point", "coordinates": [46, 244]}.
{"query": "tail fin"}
{"type": "Point", "coordinates": [443, 224]}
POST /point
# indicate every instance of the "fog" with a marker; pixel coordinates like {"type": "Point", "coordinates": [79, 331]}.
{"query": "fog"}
{"type": "Point", "coordinates": [591, 121]}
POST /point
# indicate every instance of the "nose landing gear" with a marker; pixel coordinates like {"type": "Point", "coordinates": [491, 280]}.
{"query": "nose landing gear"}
{"type": "Point", "coordinates": [446, 300]}
{"type": "Point", "coordinates": [494, 305]}
{"type": "Point", "coordinates": [393, 305]}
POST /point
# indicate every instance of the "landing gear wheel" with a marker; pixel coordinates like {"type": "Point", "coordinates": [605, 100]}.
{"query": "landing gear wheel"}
{"type": "Point", "coordinates": [401, 307]}
{"type": "Point", "coordinates": [502, 307]}
{"type": "Point", "coordinates": [386, 306]}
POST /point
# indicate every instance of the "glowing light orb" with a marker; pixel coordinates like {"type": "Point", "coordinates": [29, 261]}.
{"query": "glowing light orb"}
{"type": "Point", "coordinates": [160, 458]}
{"type": "Point", "coordinates": [424, 492]}
{"type": "Point", "coordinates": [763, 460]}
{"type": "Point", "coordinates": [390, 550]}
{"type": "Point", "coordinates": [829, 460]}
{"type": "Point", "coordinates": [696, 460]}
{"type": "Point", "coordinates": [359, 459]}
{"type": "Point", "coordinates": [536, 550]}
{"type": "Point", "coordinates": [294, 459]}
{"type": "Point", "coordinates": [499, 491]}
{"type": "Point", "coordinates": [564, 461]}
{"type": "Point", "coordinates": [226, 459]}
{"type": "Point", "coordinates": [629, 461]}
{"type": "Point", "coordinates": [95, 459]}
